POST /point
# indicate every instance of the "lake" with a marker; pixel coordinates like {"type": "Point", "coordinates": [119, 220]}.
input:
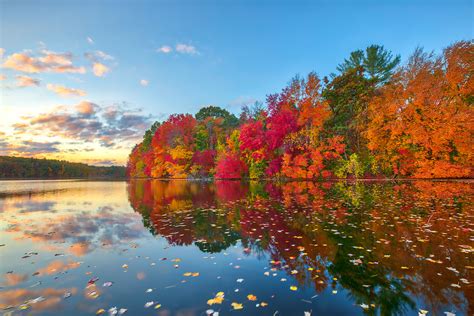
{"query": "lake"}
{"type": "Point", "coordinates": [150, 247]}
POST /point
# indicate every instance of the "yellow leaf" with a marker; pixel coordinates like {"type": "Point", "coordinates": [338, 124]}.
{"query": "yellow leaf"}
{"type": "Point", "coordinates": [251, 297]}
{"type": "Point", "coordinates": [100, 311]}
{"type": "Point", "coordinates": [237, 306]}
{"type": "Point", "coordinates": [216, 300]}
{"type": "Point", "coordinates": [293, 288]}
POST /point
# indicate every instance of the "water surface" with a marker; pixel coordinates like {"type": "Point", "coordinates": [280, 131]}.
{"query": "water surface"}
{"type": "Point", "coordinates": [170, 248]}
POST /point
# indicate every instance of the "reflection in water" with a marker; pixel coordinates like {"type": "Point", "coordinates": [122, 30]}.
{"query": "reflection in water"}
{"type": "Point", "coordinates": [77, 247]}
{"type": "Point", "coordinates": [388, 244]}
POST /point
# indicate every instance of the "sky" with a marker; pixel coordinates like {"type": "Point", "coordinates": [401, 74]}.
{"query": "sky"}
{"type": "Point", "coordinates": [82, 80]}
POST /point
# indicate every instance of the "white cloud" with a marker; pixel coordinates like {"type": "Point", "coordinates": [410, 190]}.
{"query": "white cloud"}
{"type": "Point", "coordinates": [2, 52]}
{"type": "Point", "coordinates": [100, 69]}
{"type": "Point", "coordinates": [90, 40]}
{"type": "Point", "coordinates": [144, 82]}
{"type": "Point", "coordinates": [98, 55]}
{"type": "Point", "coordinates": [164, 49]}
{"type": "Point", "coordinates": [186, 49]}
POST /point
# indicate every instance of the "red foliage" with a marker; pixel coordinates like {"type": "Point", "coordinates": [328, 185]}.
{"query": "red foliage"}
{"type": "Point", "coordinates": [204, 159]}
{"type": "Point", "coordinates": [252, 136]}
{"type": "Point", "coordinates": [230, 167]}
{"type": "Point", "coordinates": [274, 167]}
{"type": "Point", "coordinates": [279, 125]}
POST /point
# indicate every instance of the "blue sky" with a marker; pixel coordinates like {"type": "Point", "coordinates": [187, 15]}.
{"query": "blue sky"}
{"type": "Point", "coordinates": [224, 53]}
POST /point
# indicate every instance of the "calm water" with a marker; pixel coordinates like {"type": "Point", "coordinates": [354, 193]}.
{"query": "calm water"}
{"type": "Point", "coordinates": [169, 248]}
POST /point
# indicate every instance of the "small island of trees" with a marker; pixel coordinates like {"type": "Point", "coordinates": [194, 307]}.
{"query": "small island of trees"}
{"type": "Point", "coordinates": [374, 118]}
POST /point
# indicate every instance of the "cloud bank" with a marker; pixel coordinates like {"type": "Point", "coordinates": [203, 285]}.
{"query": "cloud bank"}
{"type": "Point", "coordinates": [110, 126]}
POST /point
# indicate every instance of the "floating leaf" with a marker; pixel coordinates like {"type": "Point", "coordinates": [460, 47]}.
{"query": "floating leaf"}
{"type": "Point", "coordinates": [237, 306]}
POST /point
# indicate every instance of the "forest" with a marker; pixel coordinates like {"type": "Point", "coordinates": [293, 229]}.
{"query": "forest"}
{"type": "Point", "coordinates": [374, 118]}
{"type": "Point", "coordinates": [19, 167]}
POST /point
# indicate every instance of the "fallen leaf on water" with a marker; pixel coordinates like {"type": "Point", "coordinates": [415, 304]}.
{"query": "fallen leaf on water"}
{"type": "Point", "coordinates": [148, 304]}
{"type": "Point", "coordinates": [100, 311]}
{"type": "Point", "coordinates": [218, 299]}
{"type": "Point", "coordinates": [237, 306]}
{"type": "Point", "coordinates": [251, 297]}
{"type": "Point", "coordinates": [263, 304]}
{"type": "Point", "coordinates": [293, 288]}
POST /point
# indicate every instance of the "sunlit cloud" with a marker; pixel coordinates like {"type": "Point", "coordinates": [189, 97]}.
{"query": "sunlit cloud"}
{"type": "Point", "coordinates": [144, 82]}
{"type": "Point", "coordinates": [97, 58]}
{"type": "Point", "coordinates": [110, 126]}
{"type": "Point", "coordinates": [3, 77]}
{"type": "Point", "coordinates": [28, 148]}
{"type": "Point", "coordinates": [2, 52]}
{"type": "Point", "coordinates": [86, 108]}
{"type": "Point", "coordinates": [47, 61]}
{"type": "Point", "coordinates": [100, 69]}
{"type": "Point", "coordinates": [25, 81]}
{"type": "Point", "coordinates": [186, 49]}
{"type": "Point", "coordinates": [64, 91]}
{"type": "Point", "coordinates": [90, 40]}
{"type": "Point", "coordinates": [164, 49]}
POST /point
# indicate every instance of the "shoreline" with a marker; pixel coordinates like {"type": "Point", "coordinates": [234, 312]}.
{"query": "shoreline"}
{"type": "Point", "coordinates": [283, 180]}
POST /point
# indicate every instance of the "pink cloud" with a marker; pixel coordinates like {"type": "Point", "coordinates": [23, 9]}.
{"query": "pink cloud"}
{"type": "Point", "coordinates": [65, 91]}
{"type": "Point", "coordinates": [48, 61]}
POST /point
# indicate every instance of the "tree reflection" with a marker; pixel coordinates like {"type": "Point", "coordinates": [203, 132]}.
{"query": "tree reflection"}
{"type": "Point", "coordinates": [390, 245]}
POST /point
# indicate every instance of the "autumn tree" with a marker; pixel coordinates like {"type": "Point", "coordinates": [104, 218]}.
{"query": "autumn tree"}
{"type": "Point", "coordinates": [421, 123]}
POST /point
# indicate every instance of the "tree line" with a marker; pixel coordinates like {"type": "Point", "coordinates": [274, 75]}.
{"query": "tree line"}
{"type": "Point", "coordinates": [19, 167]}
{"type": "Point", "coordinates": [375, 117]}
